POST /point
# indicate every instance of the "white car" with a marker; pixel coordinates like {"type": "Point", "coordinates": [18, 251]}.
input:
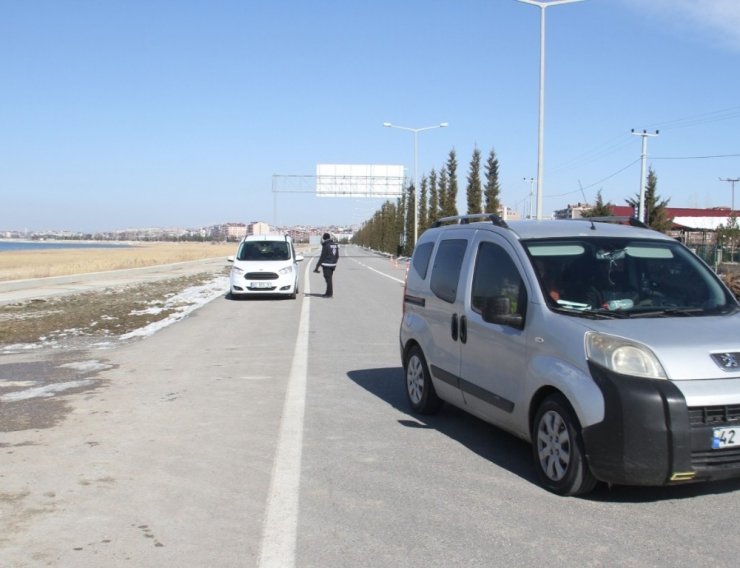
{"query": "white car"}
{"type": "Point", "coordinates": [265, 265]}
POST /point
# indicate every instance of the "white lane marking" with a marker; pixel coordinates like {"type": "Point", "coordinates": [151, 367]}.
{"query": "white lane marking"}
{"type": "Point", "coordinates": [378, 271]}
{"type": "Point", "coordinates": [277, 547]}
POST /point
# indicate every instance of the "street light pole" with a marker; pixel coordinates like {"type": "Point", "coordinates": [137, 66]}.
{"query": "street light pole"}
{"type": "Point", "coordinates": [542, 4]}
{"type": "Point", "coordinates": [416, 165]}
{"type": "Point", "coordinates": [531, 186]}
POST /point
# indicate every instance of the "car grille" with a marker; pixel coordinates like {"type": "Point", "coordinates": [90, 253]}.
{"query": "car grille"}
{"type": "Point", "coordinates": [714, 415]}
{"type": "Point", "coordinates": [716, 459]}
{"type": "Point", "coordinates": [261, 276]}
{"type": "Point", "coordinates": [702, 419]}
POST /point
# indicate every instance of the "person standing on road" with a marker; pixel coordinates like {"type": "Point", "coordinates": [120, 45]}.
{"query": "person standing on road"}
{"type": "Point", "coordinates": [328, 262]}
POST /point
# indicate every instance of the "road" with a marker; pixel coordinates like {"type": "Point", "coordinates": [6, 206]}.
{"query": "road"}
{"type": "Point", "coordinates": [276, 433]}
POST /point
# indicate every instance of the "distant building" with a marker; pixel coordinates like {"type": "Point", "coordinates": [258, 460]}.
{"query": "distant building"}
{"type": "Point", "coordinates": [691, 226]}
{"type": "Point", "coordinates": [572, 211]}
{"type": "Point", "coordinates": [258, 228]}
{"type": "Point", "coordinates": [508, 214]}
{"type": "Point", "coordinates": [234, 231]}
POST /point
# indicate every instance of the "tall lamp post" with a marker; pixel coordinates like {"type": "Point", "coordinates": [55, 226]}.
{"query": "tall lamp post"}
{"type": "Point", "coordinates": [542, 4]}
{"type": "Point", "coordinates": [416, 165]}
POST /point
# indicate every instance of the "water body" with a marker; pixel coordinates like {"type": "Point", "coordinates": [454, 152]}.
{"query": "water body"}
{"type": "Point", "coordinates": [8, 245]}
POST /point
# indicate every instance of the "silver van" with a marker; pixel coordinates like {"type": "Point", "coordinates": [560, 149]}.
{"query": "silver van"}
{"type": "Point", "coordinates": [610, 347]}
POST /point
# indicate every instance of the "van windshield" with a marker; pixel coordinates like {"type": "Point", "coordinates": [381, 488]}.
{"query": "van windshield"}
{"type": "Point", "coordinates": [617, 277]}
{"type": "Point", "coordinates": [264, 250]}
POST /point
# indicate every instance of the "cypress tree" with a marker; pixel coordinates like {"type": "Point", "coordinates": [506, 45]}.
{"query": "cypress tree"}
{"type": "Point", "coordinates": [433, 197]}
{"type": "Point", "coordinates": [655, 213]}
{"type": "Point", "coordinates": [423, 206]}
{"type": "Point", "coordinates": [450, 204]}
{"type": "Point", "coordinates": [600, 209]}
{"type": "Point", "coordinates": [474, 190]}
{"type": "Point", "coordinates": [493, 189]}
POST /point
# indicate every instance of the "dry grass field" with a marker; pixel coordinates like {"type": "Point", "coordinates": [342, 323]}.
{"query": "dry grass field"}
{"type": "Point", "coordinates": [19, 265]}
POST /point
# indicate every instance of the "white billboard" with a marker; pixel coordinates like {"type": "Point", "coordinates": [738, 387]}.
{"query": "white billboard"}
{"type": "Point", "coordinates": [359, 180]}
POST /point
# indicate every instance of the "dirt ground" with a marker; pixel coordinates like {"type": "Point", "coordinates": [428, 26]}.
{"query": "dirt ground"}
{"type": "Point", "coordinates": [92, 316]}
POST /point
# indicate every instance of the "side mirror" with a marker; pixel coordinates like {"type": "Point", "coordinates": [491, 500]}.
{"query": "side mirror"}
{"type": "Point", "coordinates": [298, 257]}
{"type": "Point", "coordinates": [498, 310]}
{"type": "Point", "coordinates": [230, 259]}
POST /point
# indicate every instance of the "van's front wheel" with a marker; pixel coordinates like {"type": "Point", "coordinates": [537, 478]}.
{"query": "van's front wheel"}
{"type": "Point", "coordinates": [558, 449]}
{"type": "Point", "coordinates": [419, 388]}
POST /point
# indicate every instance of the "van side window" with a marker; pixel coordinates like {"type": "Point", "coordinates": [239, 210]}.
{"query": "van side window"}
{"type": "Point", "coordinates": [420, 260]}
{"type": "Point", "coordinates": [496, 280]}
{"type": "Point", "coordinates": [446, 269]}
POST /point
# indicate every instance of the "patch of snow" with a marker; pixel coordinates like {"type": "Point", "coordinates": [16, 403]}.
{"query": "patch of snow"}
{"type": "Point", "coordinates": [87, 366]}
{"type": "Point", "coordinates": [45, 391]}
{"type": "Point", "coordinates": [183, 303]}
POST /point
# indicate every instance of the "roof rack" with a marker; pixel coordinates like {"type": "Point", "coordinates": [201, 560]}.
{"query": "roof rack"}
{"type": "Point", "coordinates": [465, 219]}
{"type": "Point", "coordinates": [617, 219]}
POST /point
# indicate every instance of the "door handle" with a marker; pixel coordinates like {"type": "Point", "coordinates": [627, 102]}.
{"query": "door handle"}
{"type": "Point", "coordinates": [454, 330]}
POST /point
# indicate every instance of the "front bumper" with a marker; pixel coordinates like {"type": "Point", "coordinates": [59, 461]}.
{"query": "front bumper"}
{"type": "Point", "coordinates": [649, 436]}
{"type": "Point", "coordinates": [243, 286]}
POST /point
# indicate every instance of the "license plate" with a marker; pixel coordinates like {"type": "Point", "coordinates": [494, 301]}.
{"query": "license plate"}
{"type": "Point", "coordinates": [725, 438]}
{"type": "Point", "coordinates": [260, 285]}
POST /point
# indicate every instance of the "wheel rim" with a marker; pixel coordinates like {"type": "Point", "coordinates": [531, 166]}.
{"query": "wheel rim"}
{"type": "Point", "coordinates": [415, 379]}
{"type": "Point", "coordinates": [553, 445]}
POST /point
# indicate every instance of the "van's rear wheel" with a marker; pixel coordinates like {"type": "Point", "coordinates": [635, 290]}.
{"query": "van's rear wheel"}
{"type": "Point", "coordinates": [558, 449]}
{"type": "Point", "coordinates": [419, 388]}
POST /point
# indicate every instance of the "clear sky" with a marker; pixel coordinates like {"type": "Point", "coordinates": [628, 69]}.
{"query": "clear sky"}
{"type": "Point", "coordinates": [138, 113]}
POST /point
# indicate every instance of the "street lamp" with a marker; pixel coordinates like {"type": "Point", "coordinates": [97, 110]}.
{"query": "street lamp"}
{"type": "Point", "coordinates": [416, 165]}
{"type": "Point", "coordinates": [542, 4]}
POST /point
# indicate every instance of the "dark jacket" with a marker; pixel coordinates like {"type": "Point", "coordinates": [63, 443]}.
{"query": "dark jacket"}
{"type": "Point", "coordinates": [329, 254]}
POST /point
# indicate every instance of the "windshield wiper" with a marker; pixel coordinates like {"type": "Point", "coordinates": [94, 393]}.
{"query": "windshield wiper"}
{"type": "Point", "coordinates": [667, 312]}
{"type": "Point", "coordinates": [591, 314]}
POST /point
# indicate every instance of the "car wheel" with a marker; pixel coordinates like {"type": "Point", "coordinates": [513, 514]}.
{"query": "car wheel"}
{"type": "Point", "coordinates": [419, 388]}
{"type": "Point", "coordinates": [558, 449]}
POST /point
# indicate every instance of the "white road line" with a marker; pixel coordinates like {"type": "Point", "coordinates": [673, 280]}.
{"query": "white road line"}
{"type": "Point", "coordinates": [378, 271]}
{"type": "Point", "coordinates": [277, 549]}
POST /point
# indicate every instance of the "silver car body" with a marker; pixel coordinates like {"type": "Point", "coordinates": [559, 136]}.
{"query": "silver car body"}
{"type": "Point", "coordinates": [687, 344]}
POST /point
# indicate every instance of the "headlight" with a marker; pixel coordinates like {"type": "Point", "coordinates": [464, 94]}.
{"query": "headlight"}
{"type": "Point", "coordinates": [236, 270]}
{"type": "Point", "coordinates": [623, 356]}
{"type": "Point", "coordinates": [286, 270]}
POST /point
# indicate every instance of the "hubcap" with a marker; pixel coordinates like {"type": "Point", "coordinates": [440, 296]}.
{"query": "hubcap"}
{"type": "Point", "coordinates": [415, 379]}
{"type": "Point", "coordinates": [553, 445]}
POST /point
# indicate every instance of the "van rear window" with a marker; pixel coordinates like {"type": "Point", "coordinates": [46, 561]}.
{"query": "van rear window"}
{"type": "Point", "coordinates": [420, 260]}
{"type": "Point", "coordinates": [446, 269]}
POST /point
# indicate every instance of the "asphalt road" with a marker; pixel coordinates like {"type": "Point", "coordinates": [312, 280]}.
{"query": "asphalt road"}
{"type": "Point", "coordinates": [276, 433]}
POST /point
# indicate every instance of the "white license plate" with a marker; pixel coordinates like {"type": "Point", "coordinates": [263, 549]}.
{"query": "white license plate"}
{"type": "Point", "coordinates": [725, 438]}
{"type": "Point", "coordinates": [261, 285]}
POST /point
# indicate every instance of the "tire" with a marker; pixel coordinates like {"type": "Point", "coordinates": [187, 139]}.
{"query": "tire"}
{"type": "Point", "coordinates": [419, 388]}
{"type": "Point", "coordinates": [558, 449]}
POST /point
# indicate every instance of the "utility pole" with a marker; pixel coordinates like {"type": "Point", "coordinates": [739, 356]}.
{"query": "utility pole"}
{"type": "Point", "coordinates": [643, 173]}
{"type": "Point", "coordinates": [531, 190]}
{"type": "Point", "coordinates": [732, 181]}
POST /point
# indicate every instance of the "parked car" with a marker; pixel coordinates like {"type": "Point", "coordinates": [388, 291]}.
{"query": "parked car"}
{"type": "Point", "coordinates": [265, 265]}
{"type": "Point", "coordinates": [612, 349]}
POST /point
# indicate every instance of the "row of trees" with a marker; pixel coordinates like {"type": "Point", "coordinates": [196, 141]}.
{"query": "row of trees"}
{"type": "Point", "coordinates": [391, 229]}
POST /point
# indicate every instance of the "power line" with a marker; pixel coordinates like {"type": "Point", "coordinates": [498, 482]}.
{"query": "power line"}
{"type": "Point", "coordinates": [602, 180]}
{"type": "Point", "coordinates": [695, 157]}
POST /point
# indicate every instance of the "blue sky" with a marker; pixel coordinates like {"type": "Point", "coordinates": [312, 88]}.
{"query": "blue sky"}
{"type": "Point", "coordinates": [137, 113]}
